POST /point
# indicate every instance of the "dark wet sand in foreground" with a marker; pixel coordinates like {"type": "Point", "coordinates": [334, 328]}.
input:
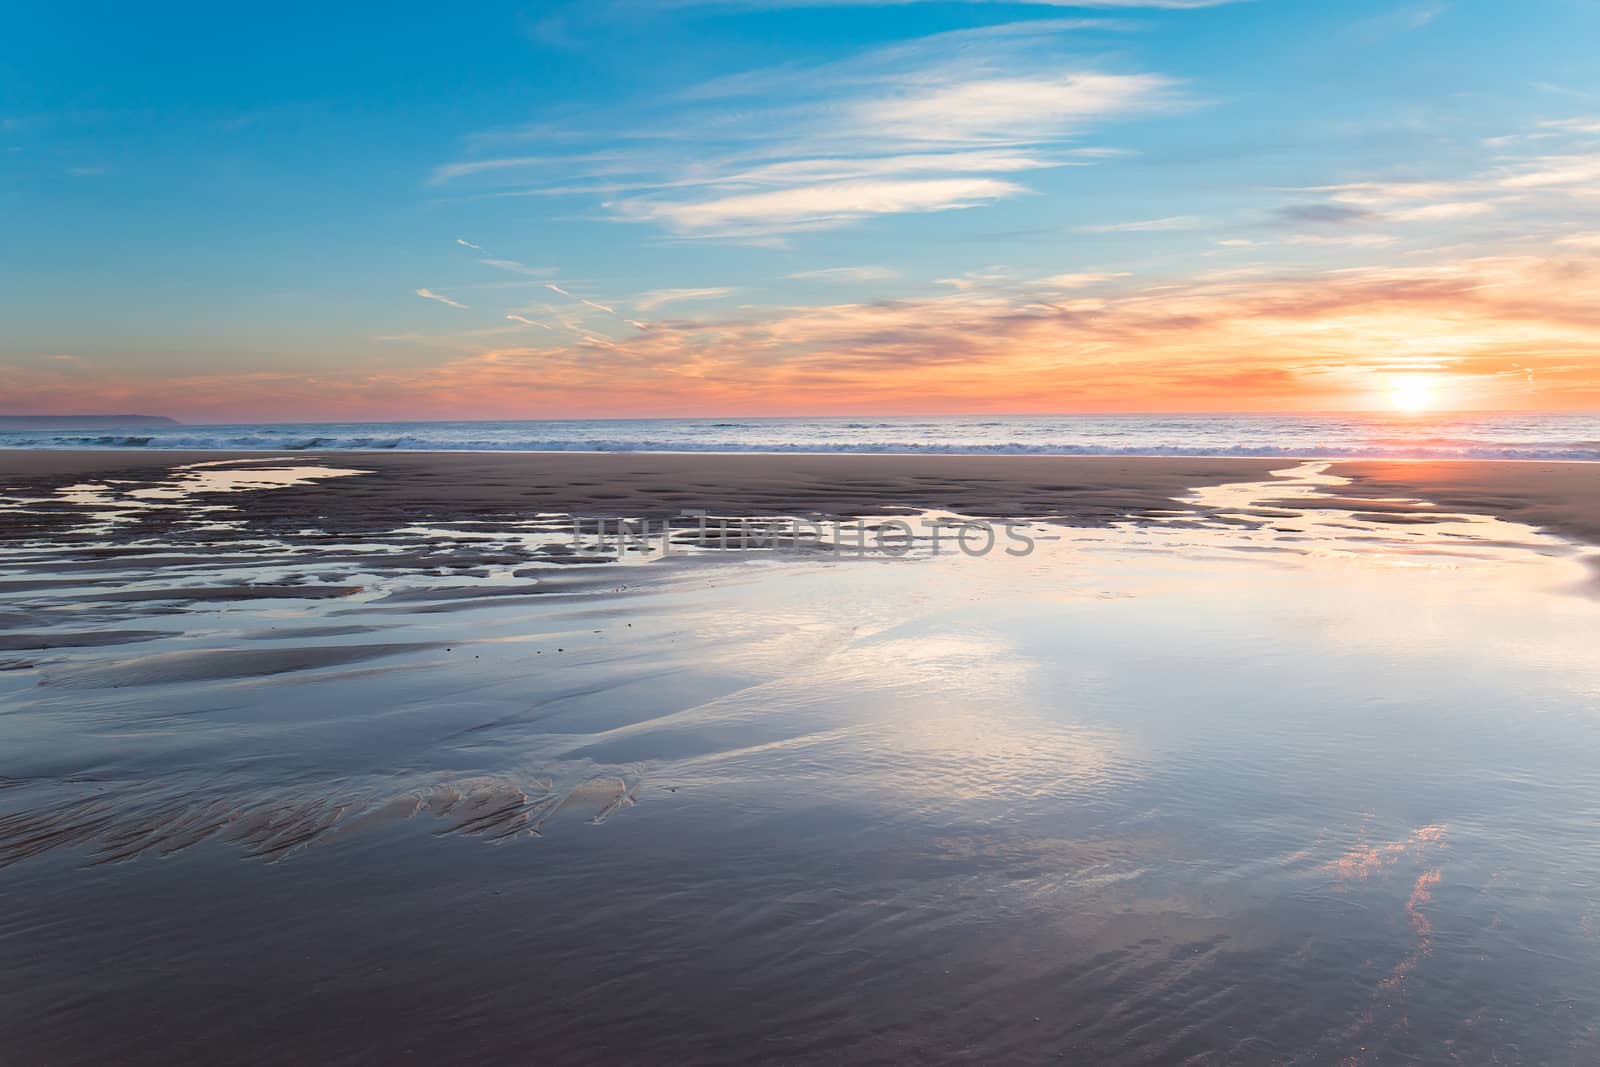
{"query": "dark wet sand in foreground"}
{"type": "Point", "coordinates": [1563, 498]}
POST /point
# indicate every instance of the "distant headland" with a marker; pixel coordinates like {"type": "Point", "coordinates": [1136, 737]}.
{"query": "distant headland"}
{"type": "Point", "coordinates": [60, 422]}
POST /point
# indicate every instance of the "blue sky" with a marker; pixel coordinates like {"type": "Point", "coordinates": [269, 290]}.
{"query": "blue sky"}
{"type": "Point", "coordinates": [682, 207]}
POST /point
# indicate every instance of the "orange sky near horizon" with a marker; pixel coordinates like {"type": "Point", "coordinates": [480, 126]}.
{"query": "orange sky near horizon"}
{"type": "Point", "coordinates": [706, 208]}
{"type": "Point", "coordinates": [1489, 334]}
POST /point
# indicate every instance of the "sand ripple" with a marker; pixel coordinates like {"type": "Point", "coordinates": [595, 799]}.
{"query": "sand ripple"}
{"type": "Point", "coordinates": [118, 826]}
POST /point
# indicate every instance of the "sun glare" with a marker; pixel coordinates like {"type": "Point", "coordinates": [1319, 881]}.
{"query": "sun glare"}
{"type": "Point", "coordinates": [1411, 395]}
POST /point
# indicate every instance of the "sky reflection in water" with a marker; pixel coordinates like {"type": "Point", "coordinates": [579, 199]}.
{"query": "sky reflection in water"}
{"type": "Point", "coordinates": [1286, 782]}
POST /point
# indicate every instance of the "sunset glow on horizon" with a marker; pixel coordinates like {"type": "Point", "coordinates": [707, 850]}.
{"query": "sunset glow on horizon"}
{"type": "Point", "coordinates": [635, 208]}
{"type": "Point", "coordinates": [1413, 395]}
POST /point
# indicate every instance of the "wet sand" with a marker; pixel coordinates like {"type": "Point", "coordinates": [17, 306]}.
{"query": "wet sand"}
{"type": "Point", "coordinates": [313, 766]}
{"type": "Point", "coordinates": [1563, 498]}
{"type": "Point", "coordinates": [459, 485]}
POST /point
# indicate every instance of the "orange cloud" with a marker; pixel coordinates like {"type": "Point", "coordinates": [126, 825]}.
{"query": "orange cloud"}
{"type": "Point", "coordinates": [1503, 332]}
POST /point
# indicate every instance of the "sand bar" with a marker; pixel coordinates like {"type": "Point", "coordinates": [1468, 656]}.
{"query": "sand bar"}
{"type": "Point", "coordinates": [1563, 498]}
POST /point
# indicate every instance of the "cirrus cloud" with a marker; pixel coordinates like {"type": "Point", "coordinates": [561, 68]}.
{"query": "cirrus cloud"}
{"type": "Point", "coordinates": [945, 122]}
{"type": "Point", "coordinates": [429, 294]}
{"type": "Point", "coordinates": [847, 274]}
{"type": "Point", "coordinates": [812, 207]}
{"type": "Point", "coordinates": [658, 298]}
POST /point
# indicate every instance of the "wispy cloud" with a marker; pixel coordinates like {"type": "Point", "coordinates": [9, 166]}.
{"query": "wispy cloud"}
{"type": "Point", "coordinates": [516, 268]}
{"type": "Point", "coordinates": [450, 171]}
{"type": "Point", "coordinates": [1345, 240]}
{"type": "Point", "coordinates": [468, 244]}
{"type": "Point", "coordinates": [790, 172]}
{"type": "Point", "coordinates": [994, 277]}
{"type": "Point", "coordinates": [1552, 171]}
{"type": "Point", "coordinates": [530, 322]}
{"type": "Point", "coordinates": [1529, 174]}
{"type": "Point", "coordinates": [1590, 124]}
{"type": "Point", "coordinates": [554, 288]}
{"type": "Point", "coordinates": [812, 207]}
{"type": "Point", "coordinates": [1406, 19]}
{"type": "Point", "coordinates": [950, 121]}
{"type": "Point", "coordinates": [990, 110]}
{"type": "Point", "coordinates": [658, 298]}
{"type": "Point", "coordinates": [1321, 214]}
{"type": "Point", "coordinates": [1440, 212]}
{"type": "Point", "coordinates": [1079, 281]}
{"type": "Point", "coordinates": [847, 274]}
{"type": "Point", "coordinates": [1172, 222]}
{"type": "Point", "coordinates": [429, 294]}
{"type": "Point", "coordinates": [1377, 194]}
{"type": "Point", "coordinates": [1563, 90]}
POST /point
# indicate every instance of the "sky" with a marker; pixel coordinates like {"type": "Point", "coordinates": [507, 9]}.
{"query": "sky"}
{"type": "Point", "coordinates": [798, 207]}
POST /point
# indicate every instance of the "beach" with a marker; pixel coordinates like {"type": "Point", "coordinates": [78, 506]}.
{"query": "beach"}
{"type": "Point", "coordinates": [1561, 496]}
{"type": "Point", "coordinates": [801, 533]}
{"type": "Point", "coordinates": [361, 756]}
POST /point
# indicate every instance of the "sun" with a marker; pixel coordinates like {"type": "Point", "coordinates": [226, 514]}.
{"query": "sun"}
{"type": "Point", "coordinates": [1412, 395]}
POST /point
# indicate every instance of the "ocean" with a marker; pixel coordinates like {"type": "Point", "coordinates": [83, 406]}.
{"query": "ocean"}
{"type": "Point", "coordinates": [1457, 436]}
